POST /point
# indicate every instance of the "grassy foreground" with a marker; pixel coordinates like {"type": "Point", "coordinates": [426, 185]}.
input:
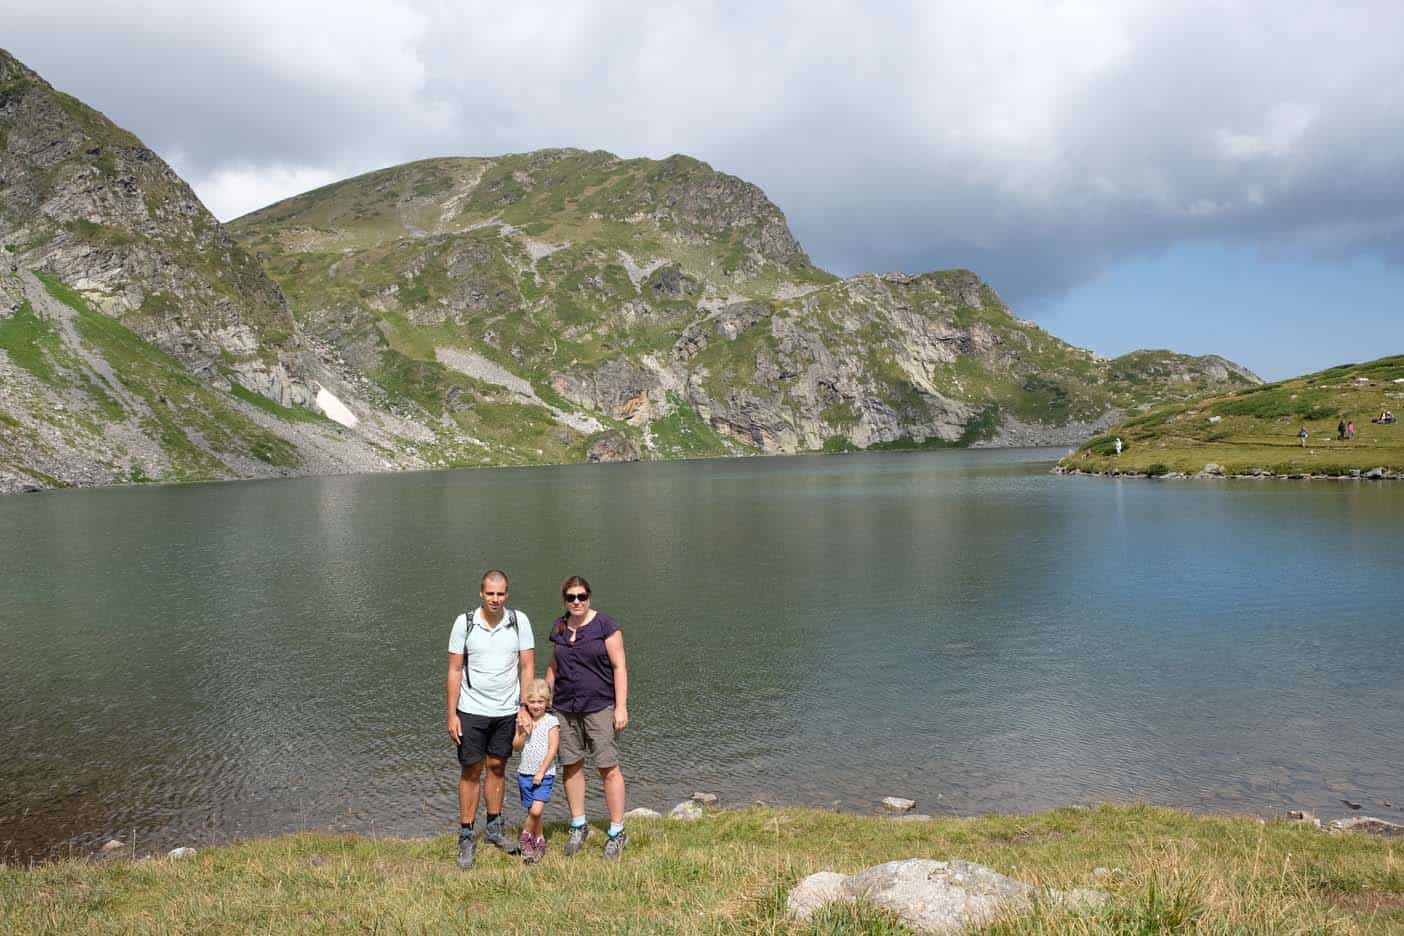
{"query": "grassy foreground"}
{"type": "Point", "coordinates": [1170, 872]}
{"type": "Point", "coordinates": [1255, 430]}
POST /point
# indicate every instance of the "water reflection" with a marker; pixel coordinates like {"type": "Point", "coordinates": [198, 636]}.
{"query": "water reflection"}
{"type": "Point", "coordinates": [959, 627]}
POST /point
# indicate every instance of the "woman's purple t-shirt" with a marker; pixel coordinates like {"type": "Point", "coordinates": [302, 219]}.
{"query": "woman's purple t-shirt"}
{"type": "Point", "coordinates": [584, 676]}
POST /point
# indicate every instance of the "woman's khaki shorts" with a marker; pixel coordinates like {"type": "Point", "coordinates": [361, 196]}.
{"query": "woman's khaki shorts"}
{"type": "Point", "coordinates": [591, 734]}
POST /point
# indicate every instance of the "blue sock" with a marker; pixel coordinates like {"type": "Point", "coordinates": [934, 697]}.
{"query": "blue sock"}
{"type": "Point", "coordinates": [615, 828]}
{"type": "Point", "coordinates": [577, 821]}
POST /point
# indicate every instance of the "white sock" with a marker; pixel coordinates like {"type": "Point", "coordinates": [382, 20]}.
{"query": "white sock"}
{"type": "Point", "coordinates": [577, 821]}
{"type": "Point", "coordinates": [615, 828]}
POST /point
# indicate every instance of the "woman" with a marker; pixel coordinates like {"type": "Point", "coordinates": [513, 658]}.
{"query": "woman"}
{"type": "Point", "coordinates": [591, 688]}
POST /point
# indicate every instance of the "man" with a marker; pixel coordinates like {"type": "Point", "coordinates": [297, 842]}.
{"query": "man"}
{"type": "Point", "coordinates": [485, 704]}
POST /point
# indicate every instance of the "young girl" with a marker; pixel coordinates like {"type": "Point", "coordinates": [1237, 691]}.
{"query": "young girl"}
{"type": "Point", "coordinates": [537, 770]}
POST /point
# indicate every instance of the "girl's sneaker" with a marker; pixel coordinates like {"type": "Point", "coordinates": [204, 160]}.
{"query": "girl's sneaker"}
{"type": "Point", "coordinates": [524, 843]}
{"type": "Point", "coordinates": [539, 847]}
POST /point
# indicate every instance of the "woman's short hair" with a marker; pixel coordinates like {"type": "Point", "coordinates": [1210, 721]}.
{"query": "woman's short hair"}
{"type": "Point", "coordinates": [539, 689]}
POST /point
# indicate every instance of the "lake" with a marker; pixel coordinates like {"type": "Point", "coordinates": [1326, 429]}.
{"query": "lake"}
{"type": "Point", "coordinates": [188, 664]}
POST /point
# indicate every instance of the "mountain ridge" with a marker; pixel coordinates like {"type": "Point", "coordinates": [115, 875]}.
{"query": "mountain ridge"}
{"type": "Point", "coordinates": [561, 305]}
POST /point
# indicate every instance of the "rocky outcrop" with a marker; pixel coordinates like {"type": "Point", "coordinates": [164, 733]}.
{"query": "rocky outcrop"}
{"type": "Point", "coordinates": [930, 896]}
{"type": "Point", "coordinates": [1367, 825]}
{"type": "Point", "coordinates": [89, 203]}
{"type": "Point", "coordinates": [613, 446]}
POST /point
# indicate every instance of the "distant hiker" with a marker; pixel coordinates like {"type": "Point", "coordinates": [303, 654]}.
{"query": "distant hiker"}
{"type": "Point", "coordinates": [1350, 429]}
{"type": "Point", "coordinates": [591, 686]}
{"type": "Point", "coordinates": [536, 772]}
{"type": "Point", "coordinates": [1117, 443]}
{"type": "Point", "coordinates": [1340, 431]}
{"type": "Point", "coordinates": [492, 659]}
{"type": "Point", "coordinates": [1302, 436]}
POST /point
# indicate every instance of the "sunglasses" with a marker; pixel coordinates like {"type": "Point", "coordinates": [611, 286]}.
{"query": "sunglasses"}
{"type": "Point", "coordinates": [578, 596]}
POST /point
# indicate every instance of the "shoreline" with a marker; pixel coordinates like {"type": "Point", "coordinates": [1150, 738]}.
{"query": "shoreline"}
{"type": "Point", "coordinates": [1379, 473]}
{"type": "Point", "coordinates": [116, 846]}
{"type": "Point", "coordinates": [22, 487]}
{"type": "Point", "coordinates": [1137, 868]}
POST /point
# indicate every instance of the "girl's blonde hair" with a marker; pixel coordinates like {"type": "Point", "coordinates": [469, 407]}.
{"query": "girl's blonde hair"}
{"type": "Point", "coordinates": [539, 689]}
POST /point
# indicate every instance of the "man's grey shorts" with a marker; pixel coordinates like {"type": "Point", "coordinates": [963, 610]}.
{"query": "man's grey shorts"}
{"type": "Point", "coordinates": [591, 734]}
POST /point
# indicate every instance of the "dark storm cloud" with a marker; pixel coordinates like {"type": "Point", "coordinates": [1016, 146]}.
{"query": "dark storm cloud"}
{"type": "Point", "coordinates": [1037, 143]}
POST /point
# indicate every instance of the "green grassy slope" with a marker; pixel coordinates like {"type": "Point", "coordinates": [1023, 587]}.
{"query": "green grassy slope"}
{"type": "Point", "coordinates": [564, 262]}
{"type": "Point", "coordinates": [1255, 429]}
{"type": "Point", "coordinates": [132, 411]}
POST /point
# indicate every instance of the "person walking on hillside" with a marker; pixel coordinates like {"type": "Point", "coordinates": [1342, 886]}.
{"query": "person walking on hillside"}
{"type": "Point", "coordinates": [1350, 429]}
{"type": "Point", "coordinates": [590, 682]}
{"type": "Point", "coordinates": [492, 661]}
{"type": "Point", "coordinates": [1118, 445]}
{"type": "Point", "coordinates": [1302, 436]}
{"type": "Point", "coordinates": [1340, 430]}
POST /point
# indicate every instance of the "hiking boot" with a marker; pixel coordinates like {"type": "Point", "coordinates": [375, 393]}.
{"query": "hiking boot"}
{"type": "Point", "coordinates": [614, 845]}
{"type": "Point", "coordinates": [539, 847]}
{"type": "Point", "coordinates": [496, 834]}
{"type": "Point", "coordinates": [524, 843]}
{"type": "Point", "coordinates": [577, 839]}
{"type": "Point", "coordinates": [467, 850]}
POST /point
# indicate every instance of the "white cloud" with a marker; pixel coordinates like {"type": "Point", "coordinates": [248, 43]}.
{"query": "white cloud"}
{"type": "Point", "coordinates": [1037, 142]}
{"type": "Point", "coordinates": [231, 191]}
{"type": "Point", "coordinates": [1283, 128]}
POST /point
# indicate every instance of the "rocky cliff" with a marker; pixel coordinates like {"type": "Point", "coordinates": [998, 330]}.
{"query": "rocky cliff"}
{"type": "Point", "coordinates": [553, 306]}
{"type": "Point", "coordinates": [670, 304]}
{"type": "Point", "coordinates": [85, 201]}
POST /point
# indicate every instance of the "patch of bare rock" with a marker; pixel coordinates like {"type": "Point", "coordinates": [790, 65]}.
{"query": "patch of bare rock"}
{"type": "Point", "coordinates": [931, 896]}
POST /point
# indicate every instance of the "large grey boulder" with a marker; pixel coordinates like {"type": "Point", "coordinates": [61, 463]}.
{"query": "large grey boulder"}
{"type": "Point", "coordinates": [940, 896]}
{"type": "Point", "coordinates": [932, 896]}
{"type": "Point", "coordinates": [814, 892]}
{"type": "Point", "coordinates": [897, 804]}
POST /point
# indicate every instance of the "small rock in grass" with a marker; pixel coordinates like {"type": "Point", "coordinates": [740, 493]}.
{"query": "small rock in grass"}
{"type": "Point", "coordinates": [706, 799]}
{"type": "Point", "coordinates": [824, 887]}
{"type": "Point", "coordinates": [1368, 825]}
{"type": "Point", "coordinates": [897, 804]}
{"type": "Point", "coordinates": [642, 812]}
{"type": "Point", "coordinates": [1299, 815]}
{"type": "Point", "coordinates": [111, 846]}
{"type": "Point", "coordinates": [1101, 872]}
{"type": "Point", "coordinates": [686, 810]}
{"type": "Point", "coordinates": [183, 852]}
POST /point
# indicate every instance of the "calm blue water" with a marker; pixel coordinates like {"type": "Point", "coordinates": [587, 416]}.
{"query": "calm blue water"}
{"type": "Point", "coordinates": [195, 663]}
